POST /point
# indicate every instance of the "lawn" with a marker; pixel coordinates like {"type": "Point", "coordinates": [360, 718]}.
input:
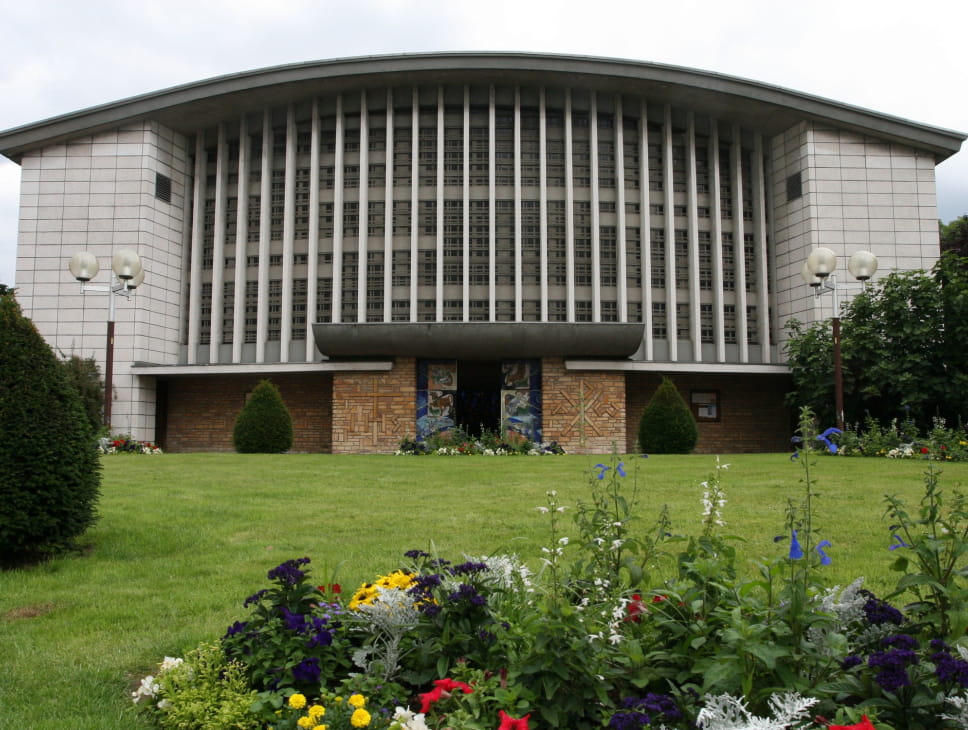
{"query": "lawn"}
{"type": "Point", "coordinates": [183, 539]}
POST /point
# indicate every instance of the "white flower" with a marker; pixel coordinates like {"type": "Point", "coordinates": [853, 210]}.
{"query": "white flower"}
{"type": "Point", "coordinates": [542, 510]}
{"type": "Point", "coordinates": [171, 662]}
{"type": "Point", "coordinates": [148, 688]}
{"type": "Point", "coordinates": [410, 720]}
{"type": "Point", "coordinates": [563, 541]}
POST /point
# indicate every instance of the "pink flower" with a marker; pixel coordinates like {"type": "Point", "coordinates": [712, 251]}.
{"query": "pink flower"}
{"type": "Point", "coordinates": [443, 688]}
{"type": "Point", "coordinates": [510, 723]}
{"type": "Point", "coordinates": [864, 724]}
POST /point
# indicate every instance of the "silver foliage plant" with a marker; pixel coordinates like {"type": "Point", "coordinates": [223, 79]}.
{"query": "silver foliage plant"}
{"type": "Point", "coordinates": [725, 712]}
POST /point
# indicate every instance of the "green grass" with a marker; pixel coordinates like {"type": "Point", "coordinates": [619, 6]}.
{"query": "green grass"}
{"type": "Point", "coordinates": [183, 539]}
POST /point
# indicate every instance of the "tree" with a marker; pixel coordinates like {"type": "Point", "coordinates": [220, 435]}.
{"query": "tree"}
{"type": "Point", "coordinates": [264, 425]}
{"type": "Point", "coordinates": [83, 373]}
{"type": "Point", "coordinates": [902, 342]}
{"type": "Point", "coordinates": [667, 425]}
{"type": "Point", "coordinates": [954, 236]}
{"type": "Point", "coordinates": [50, 473]}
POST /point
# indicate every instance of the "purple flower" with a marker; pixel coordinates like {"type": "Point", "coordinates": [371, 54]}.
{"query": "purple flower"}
{"type": "Point", "coordinates": [237, 628]}
{"type": "Point", "coordinates": [950, 670]}
{"type": "Point", "coordinates": [295, 622]}
{"type": "Point", "coordinates": [851, 661]}
{"type": "Point", "coordinates": [289, 572]}
{"type": "Point", "coordinates": [307, 671]}
{"type": "Point", "coordinates": [468, 568]}
{"type": "Point", "coordinates": [901, 641]}
{"type": "Point", "coordinates": [892, 666]}
{"type": "Point", "coordinates": [468, 593]}
{"type": "Point", "coordinates": [879, 612]}
{"type": "Point", "coordinates": [415, 554]}
{"type": "Point", "coordinates": [255, 598]}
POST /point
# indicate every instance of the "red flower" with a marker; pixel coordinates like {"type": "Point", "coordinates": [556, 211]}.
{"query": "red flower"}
{"type": "Point", "coordinates": [509, 723]}
{"type": "Point", "coordinates": [636, 609]}
{"type": "Point", "coordinates": [924, 449]}
{"type": "Point", "coordinates": [864, 724]}
{"type": "Point", "coordinates": [443, 688]}
{"type": "Point", "coordinates": [659, 599]}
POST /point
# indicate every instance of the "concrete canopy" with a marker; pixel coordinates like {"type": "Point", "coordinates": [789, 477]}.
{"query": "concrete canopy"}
{"type": "Point", "coordinates": [478, 340]}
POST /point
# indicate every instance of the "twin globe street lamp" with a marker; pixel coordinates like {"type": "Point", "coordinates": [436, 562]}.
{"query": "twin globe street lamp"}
{"type": "Point", "coordinates": [129, 273]}
{"type": "Point", "coordinates": [818, 272]}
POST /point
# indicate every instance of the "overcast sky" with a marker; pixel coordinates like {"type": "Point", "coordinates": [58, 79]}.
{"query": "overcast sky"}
{"type": "Point", "coordinates": [906, 59]}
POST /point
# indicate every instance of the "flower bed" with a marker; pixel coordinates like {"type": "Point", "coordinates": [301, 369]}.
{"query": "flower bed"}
{"type": "Point", "coordinates": [126, 445]}
{"type": "Point", "coordinates": [456, 442]}
{"type": "Point", "coordinates": [622, 625]}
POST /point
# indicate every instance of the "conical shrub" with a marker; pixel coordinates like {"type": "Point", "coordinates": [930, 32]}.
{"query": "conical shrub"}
{"type": "Point", "coordinates": [667, 425]}
{"type": "Point", "coordinates": [50, 472]}
{"type": "Point", "coordinates": [264, 425]}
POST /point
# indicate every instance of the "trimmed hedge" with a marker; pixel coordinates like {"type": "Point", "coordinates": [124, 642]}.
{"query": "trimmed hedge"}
{"type": "Point", "coordinates": [50, 472]}
{"type": "Point", "coordinates": [264, 425]}
{"type": "Point", "coordinates": [667, 425]}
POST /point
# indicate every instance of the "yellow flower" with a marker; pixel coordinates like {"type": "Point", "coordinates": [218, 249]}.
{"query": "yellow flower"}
{"type": "Point", "coordinates": [305, 722]}
{"type": "Point", "coordinates": [321, 727]}
{"type": "Point", "coordinates": [360, 718]}
{"type": "Point", "coordinates": [357, 701]}
{"type": "Point", "coordinates": [317, 711]}
{"type": "Point", "coordinates": [297, 701]}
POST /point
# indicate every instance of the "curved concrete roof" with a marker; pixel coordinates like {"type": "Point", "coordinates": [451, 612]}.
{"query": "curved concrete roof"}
{"type": "Point", "coordinates": [753, 105]}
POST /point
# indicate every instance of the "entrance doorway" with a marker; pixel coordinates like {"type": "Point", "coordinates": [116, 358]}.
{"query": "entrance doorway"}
{"type": "Point", "coordinates": [478, 402]}
{"type": "Point", "coordinates": [478, 395]}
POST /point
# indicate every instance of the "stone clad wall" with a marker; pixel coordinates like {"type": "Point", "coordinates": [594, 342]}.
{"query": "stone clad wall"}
{"type": "Point", "coordinates": [373, 411]}
{"type": "Point", "coordinates": [202, 410]}
{"type": "Point", "coordinates": [583, 410]}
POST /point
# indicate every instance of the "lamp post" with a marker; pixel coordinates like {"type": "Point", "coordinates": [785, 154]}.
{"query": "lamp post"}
{"type": "Point", "coordinates": [818, 272]}
{"type": "Point", "coordinates": [129, 273]}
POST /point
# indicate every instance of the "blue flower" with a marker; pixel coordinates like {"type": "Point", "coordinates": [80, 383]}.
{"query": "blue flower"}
{"type": "Point", "coordinates": [825, 437]}
{"type": "Point", "coordinates": [796, 552]}
{"type": "Point", "coordinates": [900, 543]}
{"type": "Point", "coordinates": [824, 558]}
{"type": "Point", "coordinates": [620, 469]}
{"type": "Point", "coordinates": [603, 469]}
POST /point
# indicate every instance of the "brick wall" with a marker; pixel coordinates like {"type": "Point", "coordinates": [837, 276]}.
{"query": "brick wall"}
{"type": "Point", "coordinates": [202, 410]}
{"type": "Point", "coordinates": [373, 411]}
{"type": "Point", "coordinates": [752, 416]}
{"type": "Point", "coordinates": [583, 410]}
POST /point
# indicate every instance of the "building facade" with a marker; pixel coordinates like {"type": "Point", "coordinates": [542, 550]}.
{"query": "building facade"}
{"type": "Point", "coordinates": [407, 243]}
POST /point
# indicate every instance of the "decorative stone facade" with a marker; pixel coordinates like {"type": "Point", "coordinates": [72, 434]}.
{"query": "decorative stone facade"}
{"type": "Point", "coordinates": [583, 411]}
{"type": "Point", "coordinates": [373, 411]}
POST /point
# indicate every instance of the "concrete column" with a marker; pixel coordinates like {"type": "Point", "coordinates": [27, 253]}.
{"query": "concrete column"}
{"type": "Point", "coordinates": [218, 245]}
{"type": "Point", "coordinates": [198, 233]}
{"type": "Point", "coordinates": [312, 267]}
{"type": "Point", "coordinates": [265, 222]}
{"type": "Point", "coordinates": [241, 242]}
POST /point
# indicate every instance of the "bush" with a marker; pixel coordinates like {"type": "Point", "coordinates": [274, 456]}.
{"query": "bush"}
{"type": "Point", "coordinates": [83, 373]}
{"type": "Point", "coordinates": [667, 425]}
{"type": "Point", "coordinates": [264, 425]}
{"type": "Point", "coordinates": [50, 474]}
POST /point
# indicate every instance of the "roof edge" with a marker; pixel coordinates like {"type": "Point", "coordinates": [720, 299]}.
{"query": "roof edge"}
{"type": "Point", "coordinates": [18, 140]}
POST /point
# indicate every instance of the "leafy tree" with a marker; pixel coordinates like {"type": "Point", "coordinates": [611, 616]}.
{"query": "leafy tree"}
{"type": "Point", "coordinates": [83, 373]}
{"type": "Point", "coordinates": [264, 425]}
{"type": "Point", "coordinates": [954, 235]}
{"type": "Point", "coordinates": [50, 473]}
{"type": "Point", "coordinates": [667, 425]}
{"type": "Point", "coordinates": [902, 342]}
